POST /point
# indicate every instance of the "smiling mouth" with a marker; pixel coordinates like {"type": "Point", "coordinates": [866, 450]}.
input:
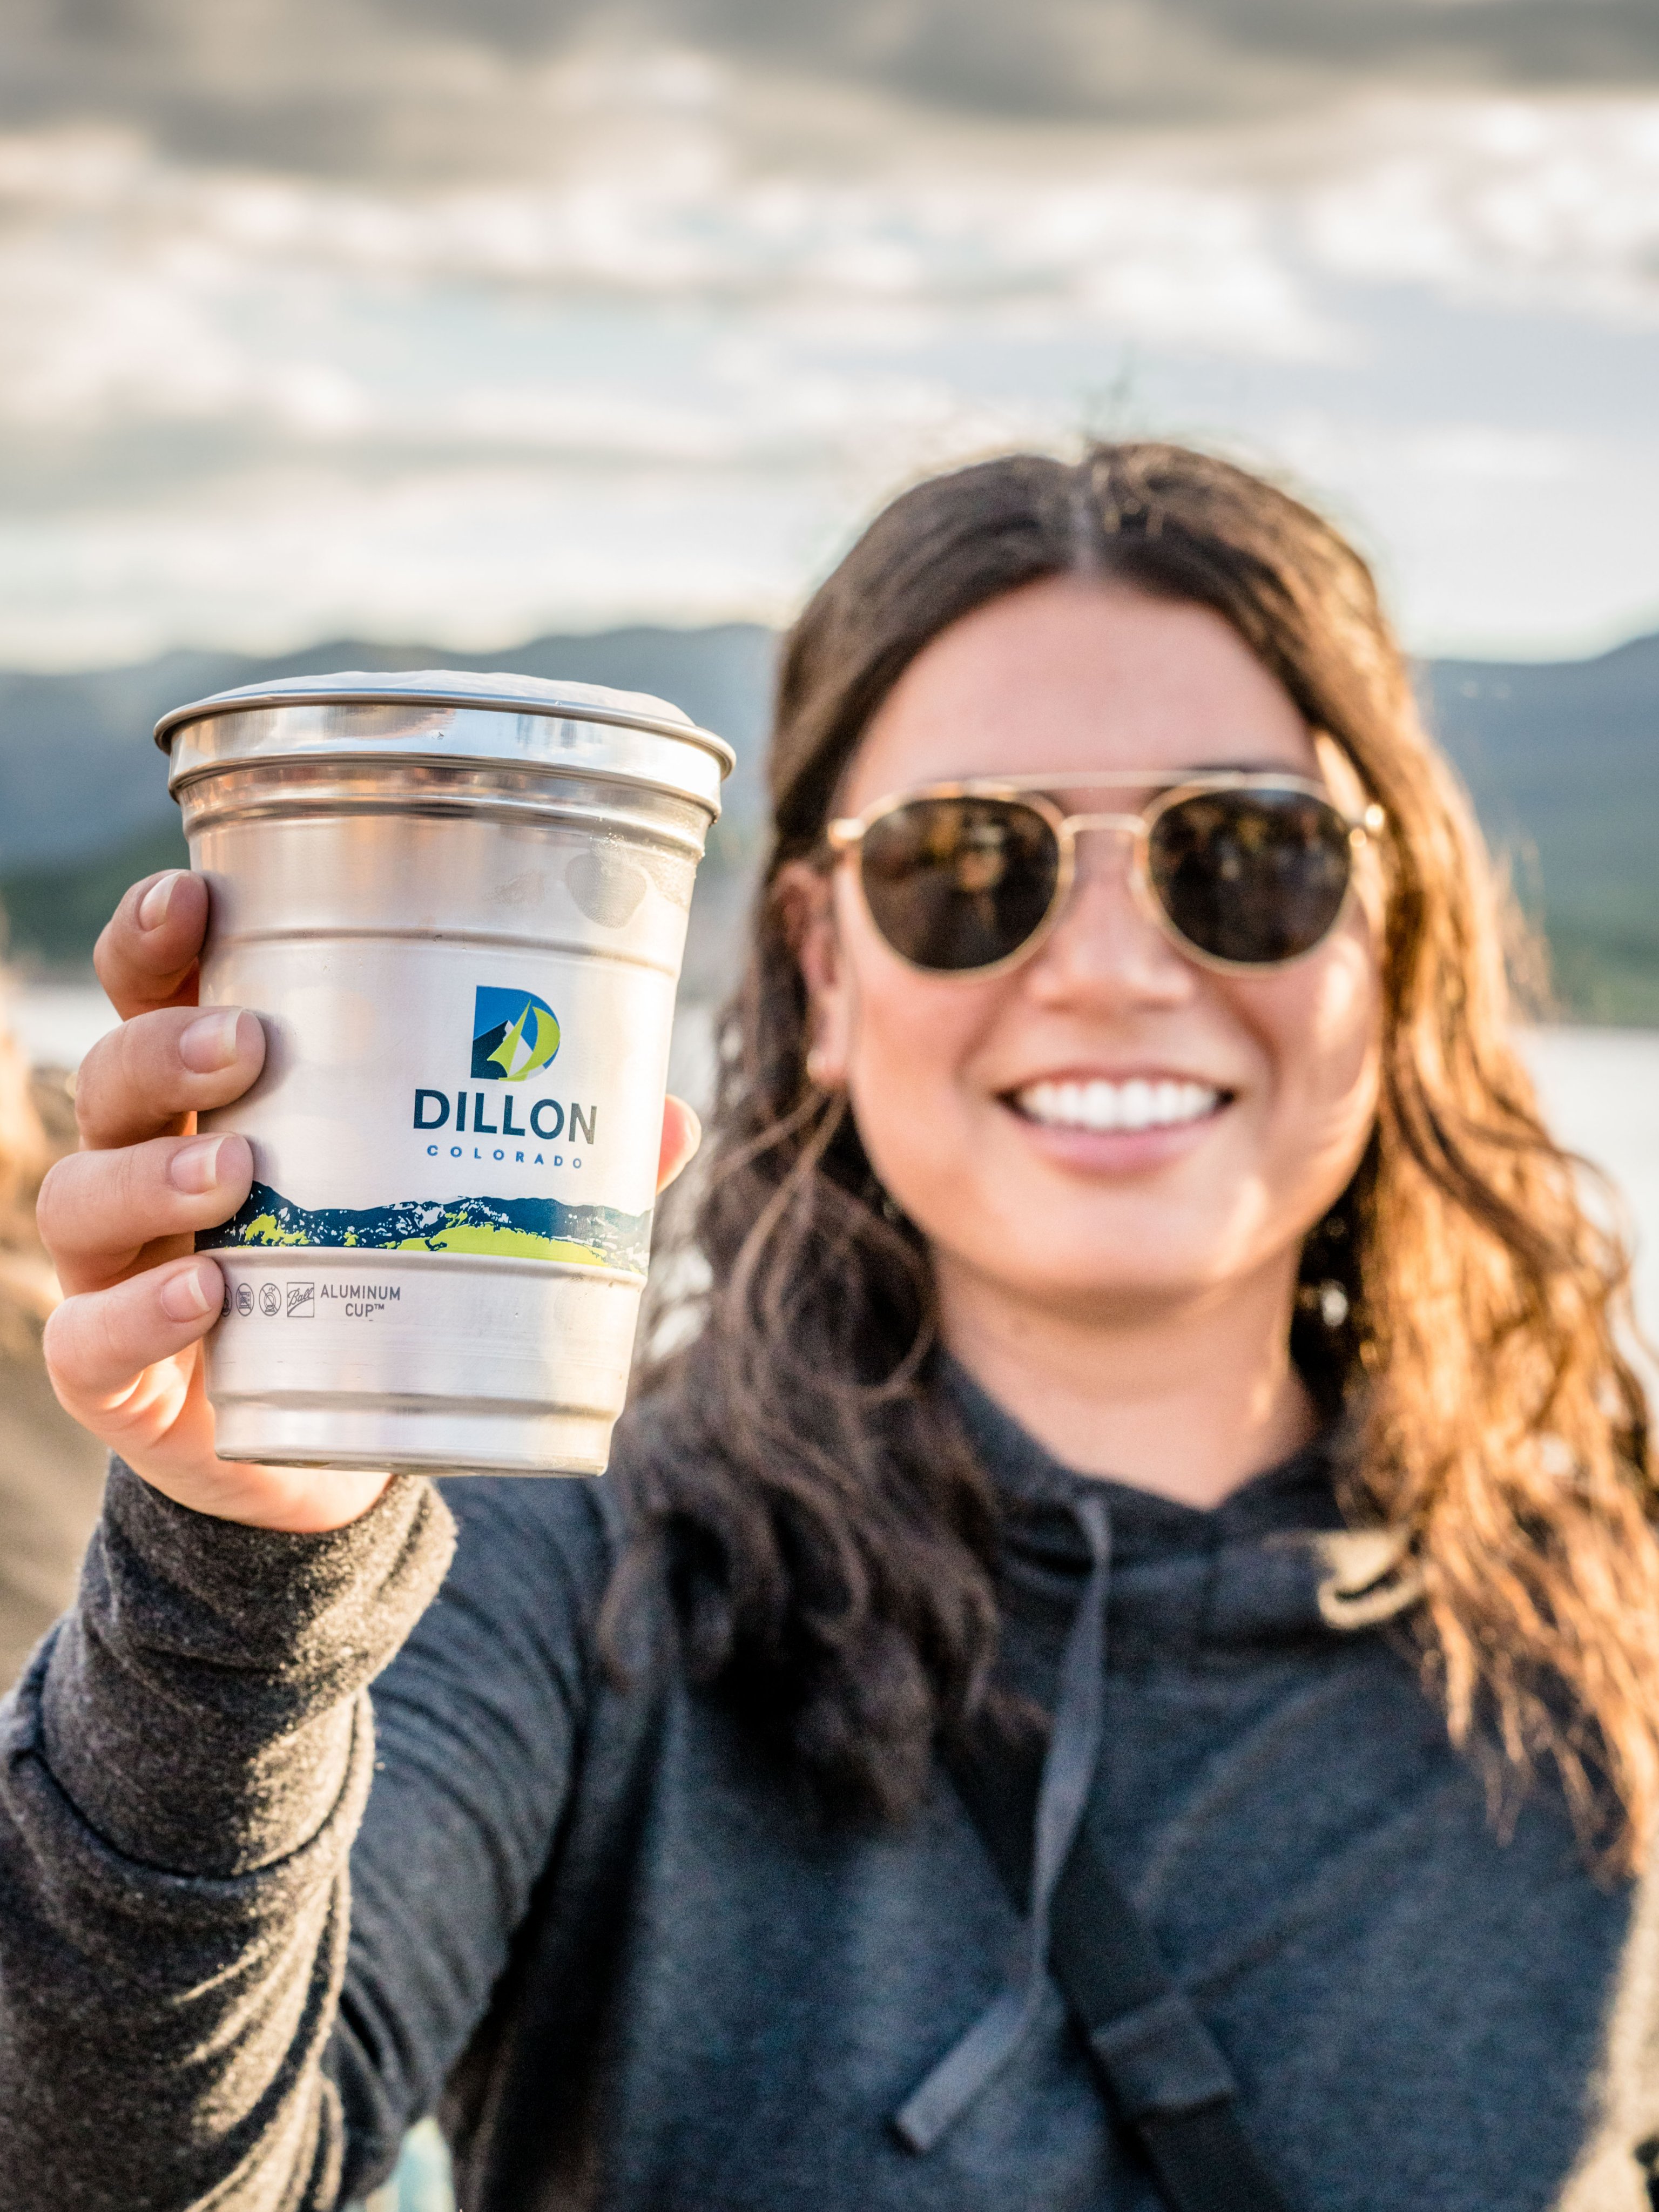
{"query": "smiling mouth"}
{"type": "Point", "coordinates": [1099, 1104]}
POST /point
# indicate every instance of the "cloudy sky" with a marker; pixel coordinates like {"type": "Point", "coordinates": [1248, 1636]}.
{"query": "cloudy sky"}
{"type": "Point", "coordinates": [459, 322]}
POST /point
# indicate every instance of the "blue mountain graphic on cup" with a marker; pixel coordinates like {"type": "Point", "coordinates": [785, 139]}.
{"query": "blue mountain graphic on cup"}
{"type": "Point", "coordinates": [513, 1033]}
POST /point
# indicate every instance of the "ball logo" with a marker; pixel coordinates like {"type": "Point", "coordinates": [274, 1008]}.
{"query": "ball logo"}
{"type": "Point", "coordinates": [513, 1033]}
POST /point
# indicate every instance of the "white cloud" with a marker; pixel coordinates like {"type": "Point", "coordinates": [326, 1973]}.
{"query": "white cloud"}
{"type": "Point", "coordinates": [472, 557]}
{"type": "Point", "coordinates": [130, 280]}
{"type": "Point", "coordinates": [666, 370]}
{"type": "Point", "coordinates": [1489, 541]}
{"type": "Point", "coordinates": [1552, 203]}
{"type": "Point", "coordinates": [1481, 453]}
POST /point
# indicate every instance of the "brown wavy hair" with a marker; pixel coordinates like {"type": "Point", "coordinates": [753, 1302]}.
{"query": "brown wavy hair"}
{"type": "Point", "coordinates": [832, 1541]}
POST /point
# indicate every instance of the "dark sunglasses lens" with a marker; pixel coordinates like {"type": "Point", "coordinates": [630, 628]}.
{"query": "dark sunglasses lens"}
{"type": "Point", "coordinates": [1253, 877]}
{"type": "Point", "coordinates": [959, 883]}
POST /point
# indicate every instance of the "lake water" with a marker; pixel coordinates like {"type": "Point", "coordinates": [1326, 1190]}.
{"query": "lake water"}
{"type": "Point", "coordinates": [1600, 1093]}
{"type": "Point", "coordinates": [1600, 1087]}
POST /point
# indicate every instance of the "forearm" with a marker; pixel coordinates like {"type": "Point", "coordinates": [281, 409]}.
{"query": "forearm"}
{"type": "Point", "coordinates": [183, 1773]}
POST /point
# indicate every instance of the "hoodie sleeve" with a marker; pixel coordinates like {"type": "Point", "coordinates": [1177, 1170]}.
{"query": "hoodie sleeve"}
{"type": "Point", "coordinates": [479, 1720]}
{"type": "Point", "coordinates": [250, 1920]}
{"type": "Point", "coordinates": [183, 1769]}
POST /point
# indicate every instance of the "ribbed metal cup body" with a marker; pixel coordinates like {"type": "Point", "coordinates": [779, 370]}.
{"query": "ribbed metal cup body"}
{"type": "Point", "coordinates": [461, 922]}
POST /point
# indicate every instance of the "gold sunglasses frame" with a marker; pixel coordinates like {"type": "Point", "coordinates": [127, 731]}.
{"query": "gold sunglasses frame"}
{"type": "Point", "coordinates": [845, 838]}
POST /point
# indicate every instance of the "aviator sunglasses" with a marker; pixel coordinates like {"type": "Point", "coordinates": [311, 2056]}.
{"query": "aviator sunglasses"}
{"type": "Point", "coordinates": [1240, 868]}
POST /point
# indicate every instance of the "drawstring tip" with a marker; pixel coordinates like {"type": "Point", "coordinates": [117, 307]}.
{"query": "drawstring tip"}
{"type": "Point", "coordinates": [962, 2074]}
{"type": "Point", "coordinates": [913, 2131]}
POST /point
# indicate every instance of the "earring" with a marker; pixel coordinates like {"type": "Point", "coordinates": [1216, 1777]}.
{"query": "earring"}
{"type": "Point", "coordinates": [1327, 1299]}
{"type": "Point", "coordinates": [815, 1068]}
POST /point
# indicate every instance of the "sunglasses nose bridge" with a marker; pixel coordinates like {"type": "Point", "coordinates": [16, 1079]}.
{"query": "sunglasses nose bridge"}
{"type": "Point", "coordinates": [1107, 934]}
{"type": "Point", "coordinates": [1129, 826]}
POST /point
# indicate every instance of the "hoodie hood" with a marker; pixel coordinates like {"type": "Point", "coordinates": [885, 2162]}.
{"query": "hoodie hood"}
{"type": "Point", "coordinates": [1272, 1565]}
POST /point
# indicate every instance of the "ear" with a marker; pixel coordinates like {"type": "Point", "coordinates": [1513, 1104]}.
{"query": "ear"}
{"type": "Point", "coordinates": [806, 898]}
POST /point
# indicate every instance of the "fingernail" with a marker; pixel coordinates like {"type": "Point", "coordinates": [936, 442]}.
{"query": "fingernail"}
{"type": "Point", "coordinates": [184, 1296]}
{"type": "Point", "coordinates": [153, 907]}
{"type": "Point", "coordinates": [210, 1043]}
{"type": "Point", "coordinates": [195, 1166]}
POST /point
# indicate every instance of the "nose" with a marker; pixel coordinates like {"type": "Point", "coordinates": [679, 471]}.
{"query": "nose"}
{"type": "Point", "coordinates": [1106, 948]}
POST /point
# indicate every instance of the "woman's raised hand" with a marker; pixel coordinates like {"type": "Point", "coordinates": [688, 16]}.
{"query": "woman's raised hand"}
{"type": "Point", "coordinates": [119, 1217]}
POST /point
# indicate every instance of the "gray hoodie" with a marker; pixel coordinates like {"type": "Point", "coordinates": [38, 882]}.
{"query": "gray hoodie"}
{"type": "Point", "coordinates": [255, 1919]}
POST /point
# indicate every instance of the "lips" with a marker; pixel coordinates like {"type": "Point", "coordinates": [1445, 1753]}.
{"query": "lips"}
{"type": "Point", "coordinates": [1099, 1104]}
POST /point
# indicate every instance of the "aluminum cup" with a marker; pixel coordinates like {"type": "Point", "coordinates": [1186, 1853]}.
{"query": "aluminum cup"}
{"type": "Point", "coordinates": [459, 904]}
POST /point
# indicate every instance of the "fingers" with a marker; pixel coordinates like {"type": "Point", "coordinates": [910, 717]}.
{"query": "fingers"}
{"type": "Point", "coordinates": [99, 1209]}
{"type": "Point", "coordinates": [146, 956]}
{"type": "Point", "coordinates": [682, 1133]}
{"type": "Point", "coordinates": [100, 1344]}
{"type": "Point", "coordinates": [123, 1363]}
{"type": "Point", "coordinates": [143, 1078]}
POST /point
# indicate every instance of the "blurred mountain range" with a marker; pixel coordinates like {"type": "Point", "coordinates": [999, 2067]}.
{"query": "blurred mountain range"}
{"type": "Point", "coordinates": [84, 809]}
{"type": "Point", "coordinates": [1562, 759]}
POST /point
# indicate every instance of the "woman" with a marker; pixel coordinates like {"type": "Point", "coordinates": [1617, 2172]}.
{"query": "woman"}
{"type": "Point", "coordinates": [1156, 1390]}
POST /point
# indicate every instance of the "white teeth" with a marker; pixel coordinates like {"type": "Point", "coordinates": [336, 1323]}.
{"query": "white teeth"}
{"type": "Point", "coordinates": [1100, 1106]}
{"type": "Point", "coordinates": [1136, 1104]}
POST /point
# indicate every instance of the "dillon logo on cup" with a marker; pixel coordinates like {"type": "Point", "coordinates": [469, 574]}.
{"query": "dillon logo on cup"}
{"type": "Point", "coordinates": [513, 1033]}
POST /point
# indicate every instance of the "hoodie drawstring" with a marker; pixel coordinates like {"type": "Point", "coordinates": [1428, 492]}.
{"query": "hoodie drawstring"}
{"type": "Point", "coordinates": [1068, 1772]}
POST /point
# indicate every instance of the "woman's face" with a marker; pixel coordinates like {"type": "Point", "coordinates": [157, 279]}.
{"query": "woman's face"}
{"type": "Point", "coordinates": [965, 1090]}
